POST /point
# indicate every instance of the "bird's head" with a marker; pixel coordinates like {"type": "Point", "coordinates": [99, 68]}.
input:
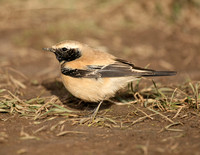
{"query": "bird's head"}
{"type": "Point", "coordinates": [66, 50]}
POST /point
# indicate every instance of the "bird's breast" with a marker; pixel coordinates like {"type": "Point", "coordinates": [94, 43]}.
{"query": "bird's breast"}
{"type": "Point", "coordinates": [93, 90]}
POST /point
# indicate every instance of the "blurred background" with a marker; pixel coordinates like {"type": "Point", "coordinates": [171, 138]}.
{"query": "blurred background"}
{"type": "Point", "coordinates": [158, 34]}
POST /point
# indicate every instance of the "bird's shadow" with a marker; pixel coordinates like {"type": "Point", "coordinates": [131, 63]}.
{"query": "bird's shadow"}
{"type": "Point", "coordinates": [57, 88]}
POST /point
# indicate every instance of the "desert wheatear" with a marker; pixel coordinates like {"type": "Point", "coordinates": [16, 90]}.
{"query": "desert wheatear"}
{"type": "Point", "coordinates": [93, 75]}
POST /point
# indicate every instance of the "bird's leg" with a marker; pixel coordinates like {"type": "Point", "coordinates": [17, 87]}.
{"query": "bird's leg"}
{"type": "Point", "coordinates": [96, 111]}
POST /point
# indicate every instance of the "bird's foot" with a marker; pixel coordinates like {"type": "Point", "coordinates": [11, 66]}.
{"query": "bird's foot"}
{"type": "Point", "coordinates": [92, 117]}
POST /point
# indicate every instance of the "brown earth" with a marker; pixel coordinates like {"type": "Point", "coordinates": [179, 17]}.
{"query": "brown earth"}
{"type": "Point", "coordinates": [137, 31]}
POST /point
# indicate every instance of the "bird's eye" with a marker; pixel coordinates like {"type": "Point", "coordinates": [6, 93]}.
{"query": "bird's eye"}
{"type": "Point", "coordinates": [64, 49]}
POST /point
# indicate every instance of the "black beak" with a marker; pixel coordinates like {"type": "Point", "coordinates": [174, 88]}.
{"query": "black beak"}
{"type": "Point", "coordinates": [49, 49]}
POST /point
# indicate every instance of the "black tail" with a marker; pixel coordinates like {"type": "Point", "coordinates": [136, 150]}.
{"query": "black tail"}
{"type": "Point", "coordinates": [159, 73]}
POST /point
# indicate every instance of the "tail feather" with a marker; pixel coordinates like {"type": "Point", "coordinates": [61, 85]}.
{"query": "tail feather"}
{"type": "Point", "coordinates": [159, 73]}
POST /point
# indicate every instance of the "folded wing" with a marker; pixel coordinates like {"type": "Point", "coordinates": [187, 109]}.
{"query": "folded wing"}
{"type": "Point", "coordinates": [120, 68]}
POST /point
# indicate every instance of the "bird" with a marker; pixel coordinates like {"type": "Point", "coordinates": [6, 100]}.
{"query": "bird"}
{"type": "Point", "coordinates": [93, 75]}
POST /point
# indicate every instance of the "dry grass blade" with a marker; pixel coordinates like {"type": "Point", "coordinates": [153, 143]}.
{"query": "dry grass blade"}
{"type": "Point", "coordinates": [62, 109]}
{"type": "Point", "coordinates": [144, 148]}
{"type": "Point", "coordinates": [18, 72]}
{"type": "Point", "coordinates": [2, 90]}
{"type": "Point", "coordinates": [70, 132]}
{"type": "Point", "coordinates": [99, 121]}
{"type": "Point", "coordinates": [173, 137]}
{"type": "Point", "coordinates": [173, 94]}
{"type": "Point", "coordinates": [84, 120]}
{"type": "Point", "coordinates": [165, 117]}
{"type": "Point", "coordinates": [26, 136]}
{"type": "Point", "coordinates": [22, 151]}
{"type": "Point", "coordinates": [178, 111]}
{"type": "Point", "coordinates": [156, 88]}
{"type": "Point", "coordinates": [56, 125]}
{"type": "Point", "coordinates": [197, 95]}
{"type": "Point", "coordinates": [123, 103]}
{"type": "Point", "coordinates": [141, 119]}
{"type": "Point", "coordinates": [40, 109]}
{"type": "Point", "coordinates": [17, 83]}
{"type": "Point", "coordinates": [168, 127]}
{"type": "Point", "coordinates": [195, 90]}
{"type": "Point", "coordinates": [142, 112]}
{"type": "Point", "coordinates": [40, 129]}
{"type": "Point", "coordinates": [19, 100]}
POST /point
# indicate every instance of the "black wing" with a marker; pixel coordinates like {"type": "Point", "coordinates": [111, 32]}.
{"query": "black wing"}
{"type": "Point", "coordinates": [120, 68]}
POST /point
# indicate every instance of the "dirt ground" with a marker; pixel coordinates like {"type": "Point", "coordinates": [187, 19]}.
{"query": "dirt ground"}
{"type": "Point", "coordinates": [162, 35]}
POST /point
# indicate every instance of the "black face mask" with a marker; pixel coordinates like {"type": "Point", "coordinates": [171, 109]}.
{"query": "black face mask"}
{"type": "Point", "coordinates": [64, 54]}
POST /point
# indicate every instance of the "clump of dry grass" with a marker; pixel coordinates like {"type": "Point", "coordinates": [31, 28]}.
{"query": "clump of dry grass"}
{"type": "Point", "coordinates": [156, 99]}
{"type": "Point", "coordinates": [171, 98]}
{"type": "Point", "coordinates": [35, 108]}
